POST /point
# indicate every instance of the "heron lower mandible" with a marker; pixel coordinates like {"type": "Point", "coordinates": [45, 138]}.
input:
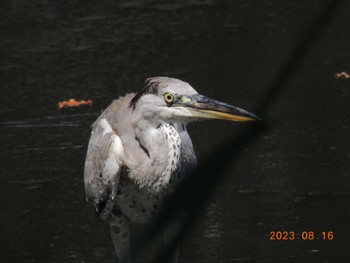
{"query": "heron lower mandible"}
{"type": "Point", "coordinates": [139, 149]}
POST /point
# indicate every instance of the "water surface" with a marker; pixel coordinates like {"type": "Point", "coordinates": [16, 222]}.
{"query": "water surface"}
{"type": "Point", "coordinates": [293, 177]}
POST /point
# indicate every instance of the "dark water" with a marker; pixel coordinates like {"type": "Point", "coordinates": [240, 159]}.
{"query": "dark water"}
{"type": "Point", "coordinates": [295, 176]}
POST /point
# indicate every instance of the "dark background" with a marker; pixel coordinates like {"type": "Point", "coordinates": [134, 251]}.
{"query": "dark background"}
{"type": "Point", "coordinates": [293, 176]}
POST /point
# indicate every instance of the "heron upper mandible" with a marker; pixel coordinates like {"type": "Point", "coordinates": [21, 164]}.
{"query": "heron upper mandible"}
{"type": "Point", "coordinates": [139, 148]}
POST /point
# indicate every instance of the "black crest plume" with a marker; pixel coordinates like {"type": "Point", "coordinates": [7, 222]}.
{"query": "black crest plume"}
{"type": "Point", "coordinates": [151, 87]}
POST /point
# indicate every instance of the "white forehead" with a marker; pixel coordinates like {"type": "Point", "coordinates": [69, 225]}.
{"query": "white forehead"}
{"type": "Point", "coordinates": [172, 85]}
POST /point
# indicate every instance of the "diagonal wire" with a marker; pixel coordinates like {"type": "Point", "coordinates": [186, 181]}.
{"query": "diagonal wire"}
{"type": "Point", "coordinates": [194, 191]}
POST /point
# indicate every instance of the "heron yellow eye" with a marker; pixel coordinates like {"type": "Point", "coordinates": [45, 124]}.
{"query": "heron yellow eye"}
{"type": "Point", "coordinates": [169, 98]}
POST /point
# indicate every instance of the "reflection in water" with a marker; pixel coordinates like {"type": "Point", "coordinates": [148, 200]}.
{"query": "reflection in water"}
{"type": "Point", "coordinates": [296, 177]}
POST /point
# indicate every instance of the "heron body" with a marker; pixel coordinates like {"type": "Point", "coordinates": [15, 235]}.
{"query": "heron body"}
{"type": "Point", "coordinates": [139, 149]}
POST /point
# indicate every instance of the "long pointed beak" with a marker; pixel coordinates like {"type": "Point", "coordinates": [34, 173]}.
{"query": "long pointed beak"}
{"type": "Point", "coordinates": [204, 107]}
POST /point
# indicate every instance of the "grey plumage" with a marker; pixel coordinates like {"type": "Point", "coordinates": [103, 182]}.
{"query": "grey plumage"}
{"type": "Point", "coordinates": [139, 148]}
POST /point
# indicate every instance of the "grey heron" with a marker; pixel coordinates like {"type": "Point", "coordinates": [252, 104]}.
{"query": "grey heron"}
{"type": "Point", "coordinates": [139, 149]}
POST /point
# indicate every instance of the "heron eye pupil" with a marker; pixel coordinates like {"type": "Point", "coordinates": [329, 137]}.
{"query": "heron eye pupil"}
{"type": "Point", "coordinates": [169, 98]}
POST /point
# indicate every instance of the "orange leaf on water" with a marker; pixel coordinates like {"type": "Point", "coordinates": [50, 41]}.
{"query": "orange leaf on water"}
{"type": "Point", "coordinates": [342, 75]}
{"type": "Point", "coordinates": [73, 103]}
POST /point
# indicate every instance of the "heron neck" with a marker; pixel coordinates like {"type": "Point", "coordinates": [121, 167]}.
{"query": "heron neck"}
{"type": "Point", "coordinates": [163, 147]}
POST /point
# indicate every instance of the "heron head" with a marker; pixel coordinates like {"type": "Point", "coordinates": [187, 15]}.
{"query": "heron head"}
{"type": "Point", "coordinates": [171, 100]}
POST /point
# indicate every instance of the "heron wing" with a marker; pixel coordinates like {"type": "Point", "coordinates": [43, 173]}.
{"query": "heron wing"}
{"type": "Point", "coordinates": [103, 166]}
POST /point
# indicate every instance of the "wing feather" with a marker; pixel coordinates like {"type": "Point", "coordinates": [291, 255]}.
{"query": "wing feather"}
{"type": "Point", "coordinates": [103, 166]}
